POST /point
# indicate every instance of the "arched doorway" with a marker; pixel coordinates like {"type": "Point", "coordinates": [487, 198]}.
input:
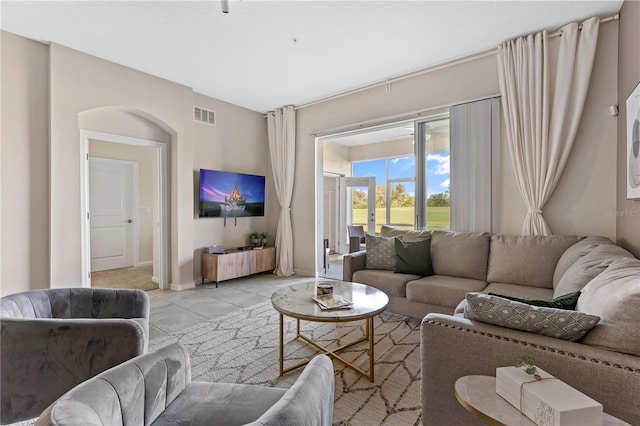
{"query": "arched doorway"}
{"type": "Point", "coordinates": [123, 127]}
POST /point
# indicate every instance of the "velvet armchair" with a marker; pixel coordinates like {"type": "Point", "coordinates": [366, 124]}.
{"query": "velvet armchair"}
{"type": "Point", "coordinates": [156, 389]}
{"type": "Point", "coordinates": [54, 339]}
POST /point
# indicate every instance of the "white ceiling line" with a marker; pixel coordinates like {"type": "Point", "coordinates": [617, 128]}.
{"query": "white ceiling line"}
{"type": "Point", "coordinates": [442, 65]}
{"type": "Point", "coordinates": [432, 68]}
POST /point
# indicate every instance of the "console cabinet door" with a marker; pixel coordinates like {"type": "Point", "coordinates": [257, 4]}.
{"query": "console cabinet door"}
{"type": "Point", "coordinates": [265, 259]}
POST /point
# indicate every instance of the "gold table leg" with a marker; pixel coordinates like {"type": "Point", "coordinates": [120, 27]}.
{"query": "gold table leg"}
{"type": "Point", "coordinates": [331, 352]}
{"type": "Point", "coordinates": [281, 345]}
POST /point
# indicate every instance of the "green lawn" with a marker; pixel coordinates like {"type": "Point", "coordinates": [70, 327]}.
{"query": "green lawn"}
{"type": "Point", "coordinates": [437, 217]}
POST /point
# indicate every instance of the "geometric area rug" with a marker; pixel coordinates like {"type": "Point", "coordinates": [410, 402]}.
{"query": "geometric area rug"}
{"type": "Point", "coordinates": [242, 347]}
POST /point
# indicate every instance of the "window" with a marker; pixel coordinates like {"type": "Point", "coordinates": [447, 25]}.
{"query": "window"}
{"type": "Point", "coordinates": [435, 136]}
{"type": "Point", "coordinates": [395, 190]}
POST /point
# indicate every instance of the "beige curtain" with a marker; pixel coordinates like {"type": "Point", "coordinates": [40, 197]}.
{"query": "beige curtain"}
{"type": "Point", "coordinates": [281, 126]}
{"type": "Point", "coordinates": [541, 116]}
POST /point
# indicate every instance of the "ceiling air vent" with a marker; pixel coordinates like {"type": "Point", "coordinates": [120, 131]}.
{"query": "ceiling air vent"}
{"type": "Point", "coordinates": [204, 115]}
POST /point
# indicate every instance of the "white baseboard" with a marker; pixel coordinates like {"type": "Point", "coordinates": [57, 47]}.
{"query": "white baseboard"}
{"type": "Point", "coordinates": [180, 287]}
{"type": "Point", "coordinates": [155, 280]}
{"type": "Point", "coordinates": [147, 263]}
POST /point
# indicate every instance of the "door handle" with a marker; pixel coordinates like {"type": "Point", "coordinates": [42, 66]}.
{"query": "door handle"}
{"type": "Point", "coordinates": [129, 220]}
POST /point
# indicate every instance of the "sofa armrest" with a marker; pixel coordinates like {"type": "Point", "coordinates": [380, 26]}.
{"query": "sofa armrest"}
{"type": "Point", "coordinates": [351, 263]}
{"type": "Point", "coordinates": [53, 355]}
{"type": "Point", "coordinates": [308, 402]}
{"type": "Point", "coordinates": [452, 347]}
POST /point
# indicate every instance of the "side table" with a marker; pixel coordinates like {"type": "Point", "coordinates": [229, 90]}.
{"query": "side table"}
{"type": "Point", "coordinates": [477, 394]}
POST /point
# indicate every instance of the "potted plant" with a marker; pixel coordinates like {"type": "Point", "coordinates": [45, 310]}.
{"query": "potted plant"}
{"type": "Point", "coordinates": [263, 238]}
{"type": "Point", "coordinates": [255, 238]}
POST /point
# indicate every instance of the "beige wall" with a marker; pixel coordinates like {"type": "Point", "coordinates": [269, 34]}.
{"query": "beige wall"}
{"type": "Point", "coordinates": [627, 211]}
{"type": "Point", "coordinates": [238, 143]}
{"type": "Point", "coordinates": [375, 151]}
{"type": "Point", "coordinates": [79, 83]}
{"type": "Point", "coordinates": [24, 165]}
{"type": "Point", "coordinates": [147, 187]}
{"type": "Point", "coordinates": [583, 195]}
{"type": "Point", "coordinates": [336, 159]}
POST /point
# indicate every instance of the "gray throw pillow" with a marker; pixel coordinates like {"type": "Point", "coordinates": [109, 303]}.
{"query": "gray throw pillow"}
{"type": "Point", "coordinates": [614, 295]}
{"type": "Point", "coordinates": [588, 267]}
{"type": "Point", "coordinates": [575, 252]}
{"type": "Point", "coordinates": [413, 257]}
{"type": "Point", "coordinates": [381, 253]}
{"type": "Point", "coordinates": [558, 323]}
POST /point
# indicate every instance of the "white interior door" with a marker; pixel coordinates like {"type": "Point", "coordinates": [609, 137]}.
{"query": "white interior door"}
{"type": "Point", "coordinates": [330, 205]}
{"type": "Point", "coordinates": [111, 207]}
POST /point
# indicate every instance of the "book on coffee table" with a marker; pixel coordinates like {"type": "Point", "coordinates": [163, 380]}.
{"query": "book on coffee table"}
{"type": "Point", "coordinates": [332, 301]}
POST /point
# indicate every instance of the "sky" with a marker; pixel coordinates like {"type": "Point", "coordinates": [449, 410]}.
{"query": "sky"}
{"type": "Point", "coordinates": [215, 185]}
{"type": "Point", "coordinates": [437, 171]}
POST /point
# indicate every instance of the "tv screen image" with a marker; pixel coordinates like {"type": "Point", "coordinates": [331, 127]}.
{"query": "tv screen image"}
{"type": "Point", "coordinates": [226, 194]}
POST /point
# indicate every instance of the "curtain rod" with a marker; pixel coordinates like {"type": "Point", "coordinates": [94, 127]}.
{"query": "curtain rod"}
{"type": "Point", "coordinates": [615, 17]}
{"type": "Point", "coordinates": [446, 64]}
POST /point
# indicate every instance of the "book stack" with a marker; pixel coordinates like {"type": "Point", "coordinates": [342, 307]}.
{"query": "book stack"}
{"type": "Point", "coordinates": [332, 301]}
{"type": "Point", "coordinates": [548, 402]}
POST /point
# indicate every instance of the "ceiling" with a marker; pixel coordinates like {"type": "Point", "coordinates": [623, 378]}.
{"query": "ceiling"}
{"type": "Point", "coordinates": [266, 54]}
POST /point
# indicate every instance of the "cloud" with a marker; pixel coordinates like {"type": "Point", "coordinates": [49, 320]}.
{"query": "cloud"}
{"type": "Point", "coordinates": [445, 183]}
{"type": "Point", "coordinates": [442, 163]}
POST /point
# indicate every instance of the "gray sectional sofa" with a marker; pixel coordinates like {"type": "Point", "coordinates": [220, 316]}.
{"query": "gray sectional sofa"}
{"type": "Point", "coordinates": [463, 262]}
{"type": "Point", "coordinates": [604, 364]}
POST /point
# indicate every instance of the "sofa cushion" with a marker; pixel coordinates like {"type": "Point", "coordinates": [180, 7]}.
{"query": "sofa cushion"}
{"type": "Point", "coordinates": [413, 257]}
{"type": "Point", "coordinates": [614, 295]}
{"type": "Point", "coordinates": [558, 323]}
{"type": "Point", "coordinates": [442, 290]}
{"type": "Point", "coordinates": [566, 301]}
{"type": "Point", "coordinates": [526, 260]}
{"type": "Point", "coordinates": [381, 253]}
{"type": "Point", "coordinates": [575, 252]}
{"type": "Point", "coordinates": [588, 267]}
{"type": "Point", "coordinates": [460, 254]}
{"type": "Point", "coordinates": [403, 234]}
{"type": "Point", "coordinates": [391, 283]}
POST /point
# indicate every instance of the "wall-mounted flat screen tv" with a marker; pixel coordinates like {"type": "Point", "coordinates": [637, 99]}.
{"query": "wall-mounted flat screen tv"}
{"type": "Point", "coordinates": [225, 194]}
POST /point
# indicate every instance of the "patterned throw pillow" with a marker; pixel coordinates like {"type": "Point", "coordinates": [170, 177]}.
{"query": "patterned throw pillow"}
{"type": "Point", "coordinates": [558, 323]}
{"type": "Point", "coordinates": [381, 253]}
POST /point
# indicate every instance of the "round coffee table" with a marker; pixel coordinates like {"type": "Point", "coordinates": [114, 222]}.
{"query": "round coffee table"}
{"type": "Point", "coordinates": [295, 301]}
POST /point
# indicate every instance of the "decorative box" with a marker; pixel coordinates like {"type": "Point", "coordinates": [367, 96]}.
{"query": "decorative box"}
{"type": "Point", "coordinates": [548, 402]}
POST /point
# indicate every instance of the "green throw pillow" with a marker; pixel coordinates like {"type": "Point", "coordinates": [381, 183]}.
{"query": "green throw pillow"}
{"type": "Point", "coordinates": [566, 301]}
{"type": "Point", "coordinates": [413, 257]}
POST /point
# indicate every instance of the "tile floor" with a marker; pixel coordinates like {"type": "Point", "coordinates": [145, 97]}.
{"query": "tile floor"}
{"type": "Point", "coordinates": [172, 311]}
